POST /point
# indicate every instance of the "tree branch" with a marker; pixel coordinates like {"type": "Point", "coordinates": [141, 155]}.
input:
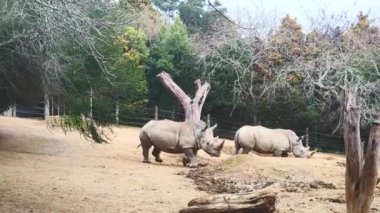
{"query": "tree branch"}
{"type": "Point", "coordinates": [201, 93]}
{"type": "Point", "coordinates": [17, 38]}
{"type": "Point", "coordinates": [192, 107]}
{"type": "Point", "coordinates": [225, 17]}
{"type": "Point", "coordinates": [174, 89]}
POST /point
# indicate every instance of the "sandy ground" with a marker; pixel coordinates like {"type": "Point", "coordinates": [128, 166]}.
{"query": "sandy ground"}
{"type": "Point", "coordinates": [47, 171]}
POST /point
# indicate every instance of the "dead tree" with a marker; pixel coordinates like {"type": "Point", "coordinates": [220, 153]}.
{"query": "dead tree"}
{"type": "Point", "coordinates": [192, 107]}
{"type": "Point", "coordinates": [362, 165]}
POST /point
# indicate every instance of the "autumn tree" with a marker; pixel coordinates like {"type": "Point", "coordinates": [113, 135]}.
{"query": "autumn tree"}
{"type": "Point", "coordinates": [141, 15]}
{"type": "Point", "coordinates": [329, 67]}
{"type": "Point", "coordinates": [341, 68]}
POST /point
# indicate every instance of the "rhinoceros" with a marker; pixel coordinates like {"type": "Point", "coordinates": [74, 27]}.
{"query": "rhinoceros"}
{"type": "Point", "coordinates": [265, 140]}
{"type": "Point", "coordinates": [179, 137]}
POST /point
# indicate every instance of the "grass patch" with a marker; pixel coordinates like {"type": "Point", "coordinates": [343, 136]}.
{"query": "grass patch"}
{"type": "Point", "coordinates": [229, 163]}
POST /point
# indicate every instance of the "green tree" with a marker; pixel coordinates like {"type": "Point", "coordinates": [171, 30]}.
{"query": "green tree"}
{"type": "Point", "coordinates": [170, 52]}
{"type": "Point", "coordinates": [200, 18]}
{"type": "Point", "coordinates": [130, 88]}
{"type": "Point", "coordinates": [126, 88]}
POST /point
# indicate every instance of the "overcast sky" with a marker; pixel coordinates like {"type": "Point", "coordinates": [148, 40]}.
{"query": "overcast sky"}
{"type": "Point", "coordinates": [302, 10]}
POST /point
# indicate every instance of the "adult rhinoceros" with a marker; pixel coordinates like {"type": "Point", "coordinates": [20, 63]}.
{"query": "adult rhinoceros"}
{"type": "Point", "coordinates": [179, 137]}
{"type": "Point", "coordinates": [276, 141]}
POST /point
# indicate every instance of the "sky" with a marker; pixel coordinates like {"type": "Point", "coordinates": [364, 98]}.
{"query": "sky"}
{"type": "Point", "coordinates": [302, 10]}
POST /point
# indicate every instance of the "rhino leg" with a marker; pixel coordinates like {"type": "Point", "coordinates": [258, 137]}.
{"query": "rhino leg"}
{"type": "Point", "coordinates": [145, 144]}
{"type": "Point", "coordinates": [156, 153]}
{"type": "Point", "coordinates": [237, 148]}
{"type": "Point", "coordinates": [191, 162]}
{"type": "Point", "coordinates": [277, 153]}
{"type": "Point", "coordinates": [246, 150]}
{"type": "Point", "coordinates": [185, 161]}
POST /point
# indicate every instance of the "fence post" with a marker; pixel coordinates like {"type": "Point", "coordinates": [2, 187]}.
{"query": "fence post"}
{"type": "Point", "coordinates": [117, 111]}
{"type": "Point", "coordinates": [14, 110]}
{"type": "Point", "coordinates": [208, 121]}
{"type": "Point", "coordinates": [307, 136]}
{"type": "Point", "coordinates": [52, 106]}
{"type": "Point", "coordinates": [91, 94]}
{"type": "Point", "coordinates": [47, 106]}
{"type": "Point", "coordinates": [155, 112]}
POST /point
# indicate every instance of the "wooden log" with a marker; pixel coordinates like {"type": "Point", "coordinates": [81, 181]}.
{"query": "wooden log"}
{"type": "Point", "coordinates": [259, 201]}
{"type": "Point", "coordinates": [231, 208]}
{"type": "Point", "coordinates": [239, 198]}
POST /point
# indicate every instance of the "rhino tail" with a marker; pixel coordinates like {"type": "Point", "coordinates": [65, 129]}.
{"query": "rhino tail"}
{"type": "Point", "coordinates": [237, 144]}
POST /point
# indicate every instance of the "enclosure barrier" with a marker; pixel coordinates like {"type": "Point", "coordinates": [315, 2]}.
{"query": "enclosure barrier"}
{"type": "Point", "coordinates": [138, 117]}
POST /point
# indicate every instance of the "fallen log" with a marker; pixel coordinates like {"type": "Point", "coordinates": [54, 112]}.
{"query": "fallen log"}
{"type": "Point", "coordinates": [230, 208]}
{"type": "Point", "coordinates": [259, 201]}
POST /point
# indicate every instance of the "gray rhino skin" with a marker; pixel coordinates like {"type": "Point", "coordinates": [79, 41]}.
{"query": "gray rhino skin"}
{"type": "Point", "coordinates": [179, 137]}
{"type": "Point", "coordinates": [265, 140]}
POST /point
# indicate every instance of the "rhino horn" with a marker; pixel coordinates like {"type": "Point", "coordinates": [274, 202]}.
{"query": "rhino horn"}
{"type": "Point", "coordinates": [220, 146]}
{"type": "Point", "coordinates": [312, 153]}
{"type": "Point", "coordinates": [213, 127]}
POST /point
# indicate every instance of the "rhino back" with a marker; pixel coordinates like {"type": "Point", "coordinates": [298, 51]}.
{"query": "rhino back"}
{"type": "Point", "coordinates": [262, 139]}
{"type": "Point", "coordinates": [292, 136]}
{"type": "Point", "coordinates": [168, 135]}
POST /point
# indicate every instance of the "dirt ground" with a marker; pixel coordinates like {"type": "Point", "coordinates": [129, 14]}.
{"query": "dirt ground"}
{"type": "Point", "coordinates": [43, 170]}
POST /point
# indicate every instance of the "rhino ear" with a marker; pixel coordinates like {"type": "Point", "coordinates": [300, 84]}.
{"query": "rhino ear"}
{"type": "Point", "coordinates": [301, 137]}
{"type": "Point", "coordinates": [199, 127]}
{"type": "Point", "coordinates": [213, 127]}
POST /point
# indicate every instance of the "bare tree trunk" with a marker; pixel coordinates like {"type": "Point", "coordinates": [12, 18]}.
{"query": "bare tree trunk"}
{"type": "Point", "coordinates": [361, 172]}
{"type": "Point", "coordinates": [192, 107]}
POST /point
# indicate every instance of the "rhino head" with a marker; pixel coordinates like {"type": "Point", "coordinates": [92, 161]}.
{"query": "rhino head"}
{"type": "Point", "coordinates": [300, 151]}
{"type": "Point", "coordinates": [210, 144]}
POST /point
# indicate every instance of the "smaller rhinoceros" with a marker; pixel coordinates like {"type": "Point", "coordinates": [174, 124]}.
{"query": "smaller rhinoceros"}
{"type": "Point", "coordinates": [179, 137]}
{"type": "Point", "coordinates": [265, 140]}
